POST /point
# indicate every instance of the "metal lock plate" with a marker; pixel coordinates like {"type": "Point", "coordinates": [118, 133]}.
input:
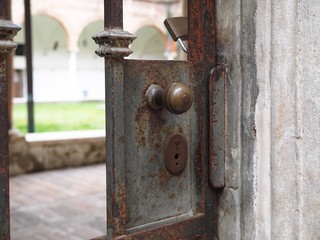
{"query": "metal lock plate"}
{"type": "Point", "coordinates": [175, 157]}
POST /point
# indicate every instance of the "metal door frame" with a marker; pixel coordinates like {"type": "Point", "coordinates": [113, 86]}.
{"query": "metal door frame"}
{"type": "Point", "coordinates": [202, 55]}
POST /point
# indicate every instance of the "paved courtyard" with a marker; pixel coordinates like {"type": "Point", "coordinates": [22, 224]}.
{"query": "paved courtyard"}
{"type": "Point", "coordinates": [60, 204]}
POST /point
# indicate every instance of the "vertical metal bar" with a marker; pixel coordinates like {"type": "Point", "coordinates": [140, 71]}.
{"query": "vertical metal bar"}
{"type": "Point", "coordinates": [28, 32]}
{"type": "Point", "coordinates": [3, 7]}
{"type": "Point", "coordinates": [7, 31]}
{"type": "Point", "coordinates": [4, 152]}
{"type": "Point", "coordinates": [9, 71]}
{"type": "Point", "coordinates": [202, 54]}
{"type": "Point", "coordinates": [113, 14]}
{"type": "Point", "coordinates": [4, 143]}
{"type": "Point", "coordinates": [114, 45]}
{"type": "Point", "coordinates": [116, 196]}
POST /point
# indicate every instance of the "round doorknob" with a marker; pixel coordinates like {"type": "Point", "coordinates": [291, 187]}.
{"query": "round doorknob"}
{"type": "Point", "coordinates": [176, 98]}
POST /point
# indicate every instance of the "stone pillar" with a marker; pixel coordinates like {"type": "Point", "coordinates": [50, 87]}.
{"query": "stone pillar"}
{"type": "Point", "coordinates": [288, 56]}
{"type": "Point", "coordinates": [73, 72]}
{"type": "Point", "coordinates": [272, 52]}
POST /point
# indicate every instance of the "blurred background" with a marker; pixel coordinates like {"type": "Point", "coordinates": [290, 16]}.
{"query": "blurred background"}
{"type": "Point", "coordinates": [65, 69]}
{"type": "Point", "coordinates": [57, 111]}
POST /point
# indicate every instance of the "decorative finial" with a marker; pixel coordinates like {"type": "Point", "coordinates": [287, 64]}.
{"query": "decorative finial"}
{"type": "Point", "coordinates": [7, 32]}
{"type": "Point", "coordinates": [114, 43]}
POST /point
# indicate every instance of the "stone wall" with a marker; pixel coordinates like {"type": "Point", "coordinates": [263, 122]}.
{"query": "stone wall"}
{"type": "Point", "coordinates": [45, 151]}
{"type": "Point", "coordinates": [290, 179]}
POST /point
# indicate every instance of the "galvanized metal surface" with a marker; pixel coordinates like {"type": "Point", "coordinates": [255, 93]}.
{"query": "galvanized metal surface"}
{"type": "Point", "coordinates": [7, 31]}
{"type": "Point", "coordinates": [217, 98]}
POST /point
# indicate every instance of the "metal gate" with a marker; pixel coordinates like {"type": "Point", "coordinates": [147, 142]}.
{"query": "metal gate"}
{"type": "Point", "coordinates": [163, 168]}
{"type": "Point", "coordinates": [158, 167]}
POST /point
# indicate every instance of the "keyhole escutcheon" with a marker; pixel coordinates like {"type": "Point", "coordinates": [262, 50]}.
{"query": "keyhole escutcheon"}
{"type": "Point", "coordinates": [175, 156]}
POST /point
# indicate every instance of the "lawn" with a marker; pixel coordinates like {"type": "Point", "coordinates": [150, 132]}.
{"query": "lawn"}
{"type": "Point", "coordinates": [51, 117]}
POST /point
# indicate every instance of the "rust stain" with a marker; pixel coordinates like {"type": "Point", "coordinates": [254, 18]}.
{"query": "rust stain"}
{"type": "Point", "coordinates": [164, 178]}
{"type": "Point", "coordinates": [119, 210]}
{"type": "Point", "coordinates": [141, 118]}
{"type": "Point", "coordinates": [172, 196]}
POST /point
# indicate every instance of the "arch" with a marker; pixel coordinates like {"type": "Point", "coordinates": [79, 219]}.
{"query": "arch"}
{"type": "Point", "coordinates": [50, 23]}
{"type": "Point", "coordinates": [49, 43]}
{"type": "Point", "coordinates": [86, 44]}
{"type": "Point", "coordinates": [150, 43]}
{"type": "Point", "coordinates": [51, 58]}
{"type": "Point", "coordinates": [90, 79]}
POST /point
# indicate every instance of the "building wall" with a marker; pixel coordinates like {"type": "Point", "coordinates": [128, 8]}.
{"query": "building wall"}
{"type": "Point", "coordinates": [273, 121]}
{"type": "Point", "coordinates": [70, 70]}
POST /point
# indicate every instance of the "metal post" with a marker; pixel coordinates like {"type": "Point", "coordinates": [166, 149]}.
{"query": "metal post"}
{"type": "Point", "coordinates": [9, 71]}
{"type": "Point", "coordinates": [114, 46]}
{"type": "Point", "coordinates": [28, 32]}
{"type": "Point", "coordinates": [113, 14]}
{"type": "Point", "coordinates": [7, 31]}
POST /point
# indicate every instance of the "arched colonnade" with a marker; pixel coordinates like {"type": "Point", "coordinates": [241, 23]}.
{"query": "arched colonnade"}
{"type": "Point", "coordinates": [65, 66]}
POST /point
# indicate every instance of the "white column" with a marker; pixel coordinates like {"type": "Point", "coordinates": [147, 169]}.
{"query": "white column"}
{"type": "Point", "coordinates": [72, 83]}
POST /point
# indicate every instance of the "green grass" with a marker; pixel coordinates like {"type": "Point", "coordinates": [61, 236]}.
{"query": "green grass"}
{"type": "Point", "coordinates": [52, 117]}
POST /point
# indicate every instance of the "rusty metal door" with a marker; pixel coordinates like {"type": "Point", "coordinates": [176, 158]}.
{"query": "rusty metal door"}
{"type": "Point", "coordinates": [145, 200]}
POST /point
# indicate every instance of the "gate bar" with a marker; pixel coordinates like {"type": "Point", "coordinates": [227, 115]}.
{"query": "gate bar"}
{"type": "Point", "coordinates": [113, 14]}
{"type": "Point", "coordinates": [28, 53]}
{"type": "Point", "coordinates": [7, 31]}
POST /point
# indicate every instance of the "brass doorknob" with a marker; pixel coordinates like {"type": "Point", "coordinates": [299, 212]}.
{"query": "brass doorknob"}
{"type": "Point", "coordinates": [176, 98]}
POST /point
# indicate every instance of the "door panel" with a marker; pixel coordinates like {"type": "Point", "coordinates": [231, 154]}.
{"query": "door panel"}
{"type": "Point", "coordinates": [146, 201]}
{"type": "Point", "coordinates": [154, 194]}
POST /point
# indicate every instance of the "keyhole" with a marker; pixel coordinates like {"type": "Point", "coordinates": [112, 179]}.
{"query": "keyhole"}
{"type": "Point", "coordinates": [176, 156]}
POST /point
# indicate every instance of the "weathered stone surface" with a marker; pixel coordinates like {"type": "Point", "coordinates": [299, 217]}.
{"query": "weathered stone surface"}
{"type": "Point", "coordinates": [272, 49]}
{"type": "Point", "coordinates": [288, 120]}
{"type": "Point", "coordinates": [38, 152]}
{"type": "Point", "coordinates": [235, 44]}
